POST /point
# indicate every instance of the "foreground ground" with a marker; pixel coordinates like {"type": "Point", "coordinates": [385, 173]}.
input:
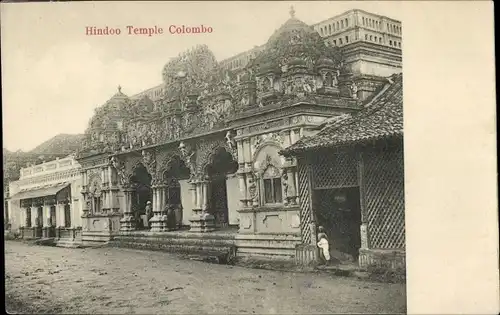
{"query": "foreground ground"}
{"type": "Point", "coordinates": [41, 279]}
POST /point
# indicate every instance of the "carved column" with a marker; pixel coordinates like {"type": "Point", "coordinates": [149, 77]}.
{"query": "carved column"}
{"type": "Point", "coordinates": [289, 168]}
{"type": "Point", "coordinates": [155, 220]}
{"type": "Point", "coordinates": [243, 188]}
{"type": "Point", "coordinates": [201, 221]}
{"type": "Point", "coordinates": [127, 223]}
{"type": "Point", "coordinates": [164, 207]}
{"type": "Point", "coordinates": [113, 203]}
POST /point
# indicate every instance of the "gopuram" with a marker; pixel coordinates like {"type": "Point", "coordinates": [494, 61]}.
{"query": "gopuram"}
{"type": "Point", "coordinates": [203, 155]}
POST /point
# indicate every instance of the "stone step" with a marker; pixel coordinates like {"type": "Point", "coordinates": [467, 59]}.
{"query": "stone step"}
{"type": "Point", "coordinates": [221, 253]}
{"type": "Point", "coordinates": [215, 242]}
{"type": "Point", "coordinates": [45, 241]}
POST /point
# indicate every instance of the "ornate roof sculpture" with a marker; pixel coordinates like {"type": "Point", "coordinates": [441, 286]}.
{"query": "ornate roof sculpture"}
{"type": "Point", "coordinates": [380, 119]}
{"type": "Point", "coordinates": [296, 62]}
{"type": "Point", "coordinates": [200, 96]}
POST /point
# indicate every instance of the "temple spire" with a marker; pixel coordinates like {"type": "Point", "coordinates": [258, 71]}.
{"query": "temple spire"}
{"type": "Point", "coordinates": [292, 12]}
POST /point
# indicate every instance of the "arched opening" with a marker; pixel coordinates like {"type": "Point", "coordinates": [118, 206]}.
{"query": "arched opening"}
{"type": "Point", "coordinates": [222, 164]}
{"type": "Point", "coordinates": [176, 171]}
{"type": "Point", "coordinates": [141, 180]}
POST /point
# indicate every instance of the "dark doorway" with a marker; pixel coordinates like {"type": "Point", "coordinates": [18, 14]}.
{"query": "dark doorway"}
{"type": "Point", "coordinates": [339, 212]}
{"type": "Point", "coordinates": [67, 215]}
{"type": "Point", "coordinates": [221, 165]}
{"type": "Point", "coordinates": [143, 193]}
{"type": "Point", "coordinates": [176, 171]}
{"type": "Point", "coordinates": [39, 216]}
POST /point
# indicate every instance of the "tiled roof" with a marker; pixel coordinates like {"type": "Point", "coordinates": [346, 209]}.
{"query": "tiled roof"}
{"type": "Point", "coordinates": [381, 118]}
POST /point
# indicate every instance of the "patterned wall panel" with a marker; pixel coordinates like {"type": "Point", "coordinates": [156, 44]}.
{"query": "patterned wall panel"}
{"type": "Point", "coordinates": [384, 179]}
{"type": "Point", "coordinates": [335, 170]}
{"type": "Point", "coordinates": [305, 201]}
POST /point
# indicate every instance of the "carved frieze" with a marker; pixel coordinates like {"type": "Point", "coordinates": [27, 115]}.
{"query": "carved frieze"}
{"type": "Point", "coordinates": [275, 138]}
{"type": "Point", "coordinates": [119, 166]}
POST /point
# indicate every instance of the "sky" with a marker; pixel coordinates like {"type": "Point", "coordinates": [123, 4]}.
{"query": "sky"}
{"type": "Point", "coordinates": [54, 76]}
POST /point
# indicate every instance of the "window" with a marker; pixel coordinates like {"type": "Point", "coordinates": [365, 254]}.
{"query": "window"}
{"type": "Point", "coordinates": [335, 42]}
{"type": "Point", "coordinates": [67, 216]}
{"type": "Point", "coordinates": [97, 206]}
{"type": "Point", "coordinates": [363, 21]}
{"type": "Point", "coordinates": [347, 39]}
{"type": "Point", "coordinates": [340, 41]}
{"type": "Point", "coordinates": [371, 38]}
{"type": "Point", "coordinates": [342, 24]}
{"type": "Point", "coordinates": [346, 22]}
{"type": "Point", "coordinates": [329, 29]}
{"type": "Point", "coordinates": [399, 44]}
{"type": "Point", "coordinates": [272, 185]}
{"type": "Point", "coordinates": [28, 217]}
{"type": "Point", "coordinates": [321, 31]}
{"type": "Point", "coordinates": [366, 37]}
{"type": "Point", "coordinates": [390, 42]}
{"type": "Point", "coordinates": [380, 40]}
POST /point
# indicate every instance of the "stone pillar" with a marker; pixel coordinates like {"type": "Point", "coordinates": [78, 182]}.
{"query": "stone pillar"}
{"type": "Point", "coordinates": [155, 220]}
{"type": "Point", "coordinates": [194, 199]}
{"type": "Point", "coordinates": [204, 193]}
{"type": "Point", "coordinates": [127, 223]}
{"type": "Point", "coordinates": [164, 207]}
{"type": "Point", "coordinates": [292, 188]}
{"type": "Point", "coordinates": [243, 188]}
{"type": "Point", "coordinates": [201, 221]}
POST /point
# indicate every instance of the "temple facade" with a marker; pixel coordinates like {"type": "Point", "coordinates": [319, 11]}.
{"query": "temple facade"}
{"type": "Point", "coordinates": [199, 154]}
{"type": "Point", "coordinates": [46, 202]}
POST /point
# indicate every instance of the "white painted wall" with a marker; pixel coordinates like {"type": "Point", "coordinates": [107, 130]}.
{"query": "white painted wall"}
{"type": "Point", "coordinates": [187, 202]}
{"type": "Point", "coordinates": [233, 202]}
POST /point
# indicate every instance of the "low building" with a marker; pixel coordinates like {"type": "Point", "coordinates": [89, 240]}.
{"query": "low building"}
{"type": "Point", "coordinates": [46, 201]}
{"type": "Point", "coordinates": [351, 182]}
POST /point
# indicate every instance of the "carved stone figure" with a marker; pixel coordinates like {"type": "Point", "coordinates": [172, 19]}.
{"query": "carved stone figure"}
{"type": "Point", "coordinates": [187, 156]}
{"type": "Point", "coordinates": [120, 169]}
{"type": "Point", "coordinates": [354, 90]}
{"type": "Point", "coordinates": [230, 141]}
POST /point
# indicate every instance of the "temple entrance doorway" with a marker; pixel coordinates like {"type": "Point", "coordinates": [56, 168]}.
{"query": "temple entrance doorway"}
{"type": "Point", "coordinates": [143, 193]}
{"type": "Point", "coordinates": [338, 211]}
{"type": "Point", "coordinates": [176, 171]}
{"type": "Point", "coordinates": [222, 164]}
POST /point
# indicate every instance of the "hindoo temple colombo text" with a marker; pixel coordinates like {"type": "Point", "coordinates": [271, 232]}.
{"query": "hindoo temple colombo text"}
{"type": "Point", "coordinates": [147, 31]}
{"type": "Point", "coordinates": [247, 156]}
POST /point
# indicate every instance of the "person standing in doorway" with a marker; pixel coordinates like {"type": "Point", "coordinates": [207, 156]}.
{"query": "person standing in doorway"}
{"type": "Point", "coordinates": [324, 245]}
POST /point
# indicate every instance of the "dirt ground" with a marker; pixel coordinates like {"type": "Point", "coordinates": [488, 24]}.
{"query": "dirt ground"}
{"type": "Point", "coordinates": [41, 279]}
